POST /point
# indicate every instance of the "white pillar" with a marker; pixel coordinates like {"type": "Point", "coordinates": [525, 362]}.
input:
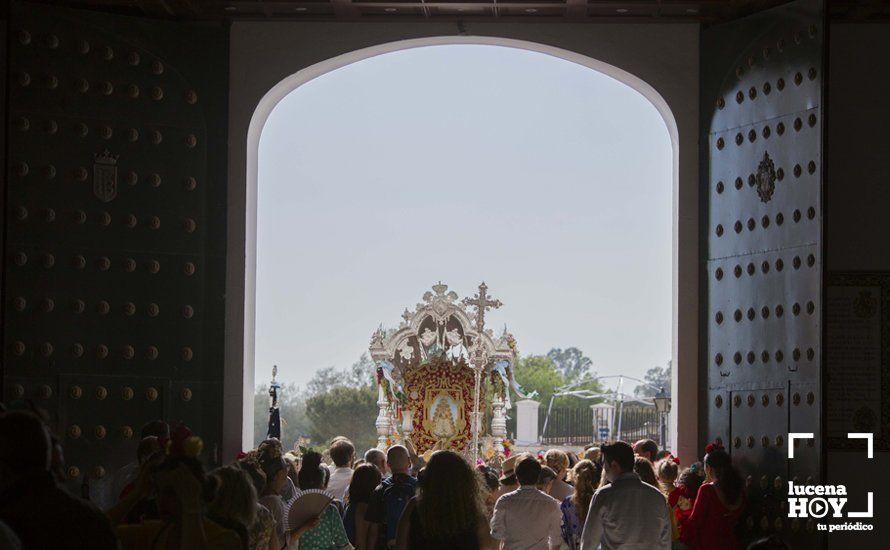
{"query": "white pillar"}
{"type": "Point", "coordinates": [498, 421]}
{"type": "Point", "coordinates": [603, 416]}
{"type": "Point", "coordinates": [383, 423]}
{"type": "Point", "coordinates": [527, 422]}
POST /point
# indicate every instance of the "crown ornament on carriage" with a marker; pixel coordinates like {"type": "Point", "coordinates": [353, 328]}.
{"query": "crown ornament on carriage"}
{"type": "Point", "coordinates": [446, 320]}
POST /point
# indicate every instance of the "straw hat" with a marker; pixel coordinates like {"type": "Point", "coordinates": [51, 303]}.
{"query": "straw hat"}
{"type": "Point", "coordinates": [508, 467]}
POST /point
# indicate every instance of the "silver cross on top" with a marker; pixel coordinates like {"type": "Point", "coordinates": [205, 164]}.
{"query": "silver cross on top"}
{"type": "Point", "coordinates": [482, 303]}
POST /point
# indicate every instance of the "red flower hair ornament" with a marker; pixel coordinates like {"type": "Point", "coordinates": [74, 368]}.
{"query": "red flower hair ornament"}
{"type": "Point", "coordinates": [182, 442]}
{"type": "Point", "coordinates": [711, 447]}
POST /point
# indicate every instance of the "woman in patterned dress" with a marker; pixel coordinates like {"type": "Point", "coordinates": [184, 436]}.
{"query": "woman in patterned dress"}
{"type": "Point", "coordinates": [586, 477]}
{"type": "Point", "coordinates": [329, 533]}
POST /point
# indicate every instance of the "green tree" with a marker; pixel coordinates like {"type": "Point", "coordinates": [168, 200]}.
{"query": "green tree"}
{"type": "Point", "coordinates": [657, 376]}
{"type": "Point", "coordinates": [571, 363]}
{"type": "Point", "coordinates": [359, 375]}
{"type": "Point", "coordinates": [344, 410]}
{"type": "Point", "coordinates": [293, 402]}
{"type": "Point", "coordinates": [343, 402]}
{"type": "Point", "coordinates": [538, 373]}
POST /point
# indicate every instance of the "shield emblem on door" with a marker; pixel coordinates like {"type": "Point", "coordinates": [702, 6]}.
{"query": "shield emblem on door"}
{"type": "Point", "coordinates": [105, 176]}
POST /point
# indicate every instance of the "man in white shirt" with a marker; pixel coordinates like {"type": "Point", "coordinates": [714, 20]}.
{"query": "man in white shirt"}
{"type": "Point", "coordinates": [527, 519]}
{"type": "Point", "coordinates": [342, 453]}
{"type": "Point", "coordinates": [627, 514]}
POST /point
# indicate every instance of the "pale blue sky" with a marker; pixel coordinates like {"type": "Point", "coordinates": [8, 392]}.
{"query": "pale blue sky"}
{"type": "Point", "coordinates": [546, 179]}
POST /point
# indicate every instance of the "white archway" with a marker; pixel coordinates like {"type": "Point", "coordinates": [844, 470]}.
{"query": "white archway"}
{"type": "Point", "coordinates": [267, 104]}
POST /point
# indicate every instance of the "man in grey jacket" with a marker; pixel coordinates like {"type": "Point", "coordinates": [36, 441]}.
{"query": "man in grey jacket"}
{"type": "Point", "coordinates": [626, 514]}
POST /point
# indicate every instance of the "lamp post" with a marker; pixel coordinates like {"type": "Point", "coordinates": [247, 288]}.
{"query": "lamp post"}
{"type": "Point", "coordinates": [663, 405]}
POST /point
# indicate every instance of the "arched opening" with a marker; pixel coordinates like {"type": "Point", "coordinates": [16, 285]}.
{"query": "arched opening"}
{"type": "Point", "coordinates": [288, 85]}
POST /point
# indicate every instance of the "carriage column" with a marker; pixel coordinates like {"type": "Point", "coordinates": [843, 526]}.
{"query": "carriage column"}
{"type": "Point", "coordinates": [384, 422]}
{"type": "Point", "coordinates": [498, 421]}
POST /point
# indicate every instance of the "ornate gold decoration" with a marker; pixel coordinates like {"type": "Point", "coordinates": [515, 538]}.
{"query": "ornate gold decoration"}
{"type": "Point", "coordinates": [439, 418]}
{"type": "Point", "coordinates": [766, 178]}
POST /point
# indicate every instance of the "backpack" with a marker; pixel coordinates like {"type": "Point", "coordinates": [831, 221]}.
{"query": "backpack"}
{"type": "Point", "coordinates": [395, 497]}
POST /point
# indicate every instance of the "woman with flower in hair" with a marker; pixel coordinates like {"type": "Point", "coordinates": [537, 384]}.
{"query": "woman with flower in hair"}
{"type": "Point", "coordinates": [586, 479]}
{"type": "Point", "coordinates": [683, 498]}
{"type": "Point", "coordinates": [719, 504]}
{"type": "Point", "coordinates": [182, 490]}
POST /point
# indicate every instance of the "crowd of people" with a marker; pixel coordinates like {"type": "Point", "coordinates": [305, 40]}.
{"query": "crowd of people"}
{"type": "Point", "coordinates": [614, 496]}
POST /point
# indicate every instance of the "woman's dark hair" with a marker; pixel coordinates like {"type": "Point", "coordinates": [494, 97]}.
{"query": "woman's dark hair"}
{"type": "Point", "coordinates": [692, 478]}
{"type": "Point", "coordinates": [312, 474]}
{"type": "Point", "coordinates": [573, 459]}
{"type": "Point", "coordinates": [365, 479]}
{"type": "Point", "coordinates": [726, 478]}
{"type": "Point", "coordinates": [451, 499]}
{"type": "Point", "coordinates": [643, 468]}
{"type": "Point", "coordinates": [270, 459]}
{"type": "Point", "coordinates": [489, 476]}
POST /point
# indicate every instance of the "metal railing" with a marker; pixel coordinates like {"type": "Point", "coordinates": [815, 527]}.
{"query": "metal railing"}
{"type": "Point", "coordinates": [579, 426]}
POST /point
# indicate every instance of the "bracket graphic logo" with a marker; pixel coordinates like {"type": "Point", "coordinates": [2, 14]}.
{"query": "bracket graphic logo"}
{"type": "Point", "coordinates": [818, 501]}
